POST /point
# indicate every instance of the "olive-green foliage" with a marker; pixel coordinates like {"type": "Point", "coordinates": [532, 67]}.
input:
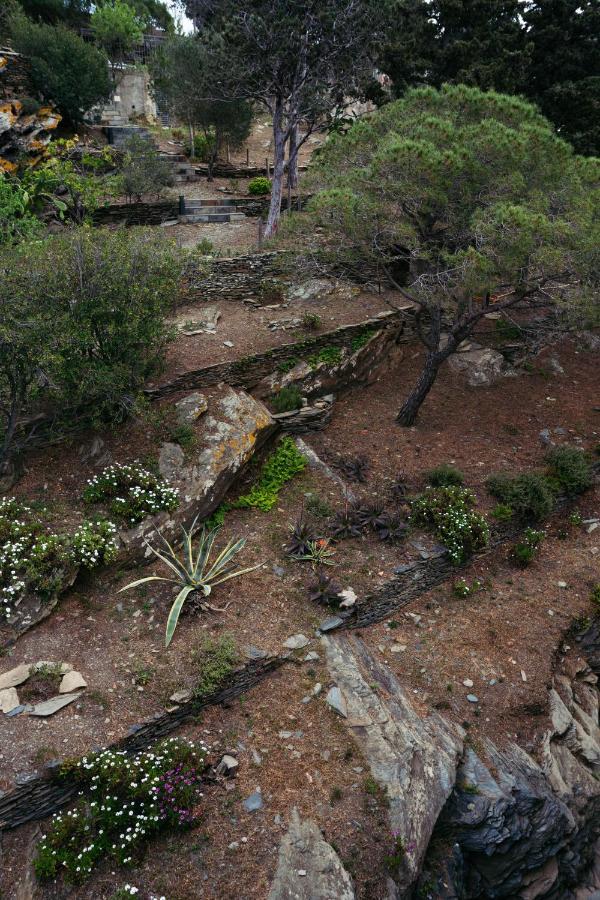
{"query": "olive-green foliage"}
{"type": "Point", "coordinates": [259, 186]}
{"type": "Point", "coordinates": [527, 548]}
{"type": "Point", "coordinates": [529, 495]}
{"type": "Point", "coordinates": [280, 467]}
{"type": "Point", "coordinates": [361, 339]}
{"type": "Point", "coordinates": [330, 356]}
{"type": "Point", "coordinates": [214, 661]}
{"type": "Point", "coordinates": [116, 26]}
{"type": "Point", "coordinates": [570, 468]}
{"type": "Point", "coordinates": [450, 513]}
{"type": "Point", "coordinates": [64, 68]}
{"type": "Point", "coordinates": [444, 476]}
{"type": "Point", "coordinates": [94, 303]}
{"type": "Point", "coordinates": [143, 170]}
{"type": "Point", "coordinates": [17, 221]}
{"type": "Point", "coordinates": [287, 399]}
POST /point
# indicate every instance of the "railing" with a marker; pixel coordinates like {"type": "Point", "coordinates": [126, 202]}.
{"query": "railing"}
{"type": "Point", "coordinates": [140, 54]}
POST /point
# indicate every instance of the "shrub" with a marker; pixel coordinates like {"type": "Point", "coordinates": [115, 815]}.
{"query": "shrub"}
{"type": "Point", "coordinates": [202, 149]}
{"type": "Point", "coordinates": [529, 495]}
{"type": "Point", "coordinates": [311, 321]}
{"type": "Point", "coordinates": [502, 512]}
{"type": "Point", "coordinates": [124, 801]}
{"type": "Point", "coordinates": [259, 186]}
{"type": "Point", "coordinates": [595, 596]}
{"type": "Point", "coordinates": [64, 68]}
{"type": "Point", "coordinates": [445, 476]}
{"type": "Point", "coordinates": [328, 356]}
{"type": "Point", "coordinates": [287, 399]}
{"type": "Point", "coordinates": [280, 467]}
{"type": "Point", "coordinates": [527, 548]}
{"type": "Point", "coordinates": [270, 290]}
{"type": "Point", "coordinates": [35, 559]}
{"type": "Point", "coordinates": [17, 222]}
{"type": "Point", "coordinates": [95, 304]}
{"type": "Point", "coordinates": [449, 511]}
{"type": "Point", "coordinates": [143, 170]}
{"type": "Point", "coordinates": [571, 469]}
{"type": "Point", "coordinates": [131, 492]}
{"type": "Point", "coordinates": [215, 660]}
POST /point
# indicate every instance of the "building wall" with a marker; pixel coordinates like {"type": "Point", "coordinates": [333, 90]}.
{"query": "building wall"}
{"type": "Point", "coordinates": [133, 96]}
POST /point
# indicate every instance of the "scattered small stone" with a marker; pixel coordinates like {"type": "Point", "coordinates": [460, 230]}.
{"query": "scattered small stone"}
{"type": "Point", "coordinates": [228, 343]}
{"type": "Point", "coordinates": [313, 656]}
{"type": "Point", "coordinates": [279, 571]}
{"type": "Point", "coordinates": [285, 735]}
{"type": "Point", "coordinates": [256, 758]}
{"type": "Point", "coordinates": [591, 527]}
{"type": "Point", "coordinates": [414, 616]}
{"type": "Point", "coordinates": [523, 675]}
{"type": "Point", "coordinates": [467, 682]}
{"type": "Point", "coordinates": [349, 598]}
{"type": "Point", "coordinates": [228, 766]}
{"type": "Point", "coordinates": [296, 642]}
{"type": "Point", "coordinates": [545, 437]}
{"type": "Point", "coordinates": [562, 584]}
{"type": "Point", "coordinates": [302, 872]}
{"type": "Point", "coordinates": [550, 612]}
{"type": "Point", "coordinates": [397, 648]}
{"type": "Point", "coordinates": [180, 696]}
{"type": "Point", "coordinates": [234, 845]}
{"type": "Point", "coordinates": [9, 700]}
{"type": "Point", "coordinates": [255, 652]}
{"type": "Point", "coordinates": [71, 681]}
{"type": "Point", "coordinates": [492, 682]}
{"type": "Point", "coordinates": [336, 700]}
{"type": "Point", "coordinates": [254, 802]}
{"type": "Point", "coordinates": [472, 698]}
{"type": "Point", "coordinates": [331, 623]}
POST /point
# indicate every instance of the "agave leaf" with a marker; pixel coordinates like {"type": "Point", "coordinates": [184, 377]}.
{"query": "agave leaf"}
{"type": "Point", "coordinates": [207, 540]}
{"type": "Point", "coordinates": [173, 564]}
{"type": "Point", "coordinates": [235, 574]}
{"type": "Point", "coordinates": [175, 611]}
{"type": "Point", "coordinates": [144, 581]}
{"type": "Point", "coordinates": [228, 552]}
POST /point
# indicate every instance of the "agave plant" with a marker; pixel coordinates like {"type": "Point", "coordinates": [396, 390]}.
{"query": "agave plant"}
{"type": "Point", "coordinates": [193, 571]}
{"type": "Point", "coordinates": [324, 590]}
{"type": "Point", "coordinates": [318, 553]}
{"type": "Point", "coordinates": [301, 535]}
{"type": "Point", "coordinates": [355, 468]}
{"type": "Point", "coordinates": [345, 524]}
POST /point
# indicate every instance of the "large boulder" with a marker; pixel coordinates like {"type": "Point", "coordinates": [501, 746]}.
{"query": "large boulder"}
{"type": "Point", "coordinates": [228, 435]}
{"type": "Point", "coordinates": [413, 755]}
{"type": "Point", "coordinates": [308, 867]}
{"type": "Point", "coordinates": [482, 366]}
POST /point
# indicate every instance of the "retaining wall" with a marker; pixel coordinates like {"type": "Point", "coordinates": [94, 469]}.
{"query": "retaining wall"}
{"type": "Point", "coordinates": [42, 795]}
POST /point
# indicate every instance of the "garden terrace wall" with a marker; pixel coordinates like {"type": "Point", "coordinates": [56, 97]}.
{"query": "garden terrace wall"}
{"type": "Point", "coordinates": [248, 371]}
{"type": "Point", "coordinates": [234, 278]}
{"type": "Point", "coordinates": [41, 795]}
{"type": "Point", "coordinates": [15, 76]}
{"type": "Point", "coordinates": [136, 213]}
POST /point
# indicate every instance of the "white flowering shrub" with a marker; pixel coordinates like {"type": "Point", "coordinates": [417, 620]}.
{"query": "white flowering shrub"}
{"type": "Point", "coordinates": [34, 559]}
{"type": "Point", "coordinates": [131, 492]}
{"type": "Point", "coordinates": [95, 544]}
{"type": "Point", "coordinates": [125, 800]}
{"type": "Point", "coordinates": [449, 512]}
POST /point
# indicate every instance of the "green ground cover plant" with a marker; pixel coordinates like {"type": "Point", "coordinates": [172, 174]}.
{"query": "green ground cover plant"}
{"type": "Point", "coordinates": [281, 466]}
{"type": "Point", "coordinates": [450, 513]}
{"type": "Point", "coordinates": [131, 492]}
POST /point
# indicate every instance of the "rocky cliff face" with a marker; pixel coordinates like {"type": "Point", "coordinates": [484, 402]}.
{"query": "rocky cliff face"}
{"type": "Point", "coordinates": [22, 134]}
{"type": "Point", "coordinates": [522, 828]}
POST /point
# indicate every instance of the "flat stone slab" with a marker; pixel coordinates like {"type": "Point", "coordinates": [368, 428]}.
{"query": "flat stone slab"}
{"type": "Point", "coordinates": [413, 756]}
{"type": "Point", "coordinates": [70, 682]}
{"type": "Point", "coordinates": [49, 707]}
{"type": "Point", "coordinates": [15, 676]}
{"type": "Point", "coordinates": [308, 867]}
{"type": "Point", "coordinates": [9, 699]}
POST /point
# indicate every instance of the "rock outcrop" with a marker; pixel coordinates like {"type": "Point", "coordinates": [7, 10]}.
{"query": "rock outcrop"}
{"type": "Point", "coordinates": [412, 755]}
{"type": "Point", "coordinates": [482, 366]}
{"type": "Point", "coordinates": [523, 829]}
{"type": "Point", "coordinates": [309, 868]}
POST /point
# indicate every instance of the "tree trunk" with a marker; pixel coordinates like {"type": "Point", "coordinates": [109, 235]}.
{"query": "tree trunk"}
{"type": "Point", "coordinates": [192, 141]}
{"type": "Point", "coordinates": [278, 170]}
{"type": "Point", "coordinates": [293, 159]}
{"type": "Point", "coordinates": [412, 404]}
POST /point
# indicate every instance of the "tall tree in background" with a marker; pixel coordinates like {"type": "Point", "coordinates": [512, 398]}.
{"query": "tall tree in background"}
{"type": "Point", "coordinates": [465, 201]}
{"type": "Point", "coordinates": [181, 75]}
{"type": "Point", "coordinates": [476, 42]}
{"type": "Point", "coordinates": [300, 59]}
{"type": "Point", "coordinates": [564, 73]}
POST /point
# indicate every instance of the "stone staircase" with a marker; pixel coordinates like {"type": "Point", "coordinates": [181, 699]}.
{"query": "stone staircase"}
{"type": "Point", "coordinates": [183, 171]}
{"type": "Point", "coordinates": [221, 210]}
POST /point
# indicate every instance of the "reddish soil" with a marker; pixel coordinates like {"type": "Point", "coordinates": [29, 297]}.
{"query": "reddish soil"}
{"type": "Point", "coordinates": [511, 625]}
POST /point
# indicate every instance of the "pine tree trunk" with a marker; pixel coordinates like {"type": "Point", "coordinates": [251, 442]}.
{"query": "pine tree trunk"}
{"type": "Point", "coordinates": [278, 170]}
{"type": "Point", "coordinates": [412, 404]}
{"type": "Point", "coordinates": [293, 159]}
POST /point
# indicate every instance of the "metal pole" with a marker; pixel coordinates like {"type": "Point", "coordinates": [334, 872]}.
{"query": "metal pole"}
{"type": "Point", "coordinates": [181, 205]}
{"type": "Point", "coordinates": [247, 158]}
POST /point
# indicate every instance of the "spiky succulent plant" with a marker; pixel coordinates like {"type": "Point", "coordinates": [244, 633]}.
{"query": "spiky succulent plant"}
{"type": "Point", "coordinates": [324, 590]}
{"type": "Point", "coordinates": [302, 534]}
{"type": "Point", "coordinates": [391, 527]}
{"type": "Point", "coordinates": [354, 468]}
{"type": "Point", "coordinates": [345, 524]}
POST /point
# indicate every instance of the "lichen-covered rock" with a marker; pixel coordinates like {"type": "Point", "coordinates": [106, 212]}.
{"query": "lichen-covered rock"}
{"type": "Point", "coordinates": [482, 366]}
{"type": "Point", "coordinates": [228, 436]}
{"type": "Point", "coordinates": [23, 135]}
{"type": "Point", "coordinates": [412, 755]}
{"type": "Point", "coordinates": [309, 868]}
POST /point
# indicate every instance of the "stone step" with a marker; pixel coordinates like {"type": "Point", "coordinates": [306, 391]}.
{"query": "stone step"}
{"type": "Point", "coordinates": [221, 203]}
{"type": "Point", "coordinates": [211, 217]}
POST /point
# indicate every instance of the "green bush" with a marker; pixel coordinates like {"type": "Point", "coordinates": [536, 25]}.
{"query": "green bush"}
{"type": "Point", "coordinates": [449, 512]}
{"type": "Point", "coordinates": [445, 476]}
{"type": "Point", "coordinates": [329, 356]}
{"type": "Point", "coordinates": [527, 548]}
{"type": "Point", "coordinates": [64, 68]}
{"type": "Point", "coordinates": [595, 596]}
{"type": "Point", "coordinates": [571, 469]}
{"type": "Point", "coordinates": [203, 147]}
{"type": "Point", "coordinates": [143, 170]}
{"type": "Point", "coordinates": [214, 662]}
{"type": "Point", "coordinates": [259, 186]}
{"type": "Point", "coordinates": [280, 467]}
{"type": "Point", "coordinates": [287, 399]}
{"type": "Point", "coordinates": [502, 512]}
{"type": "Point", "coordinates": [17, 221]}
{"type": "Point", "coordinates": [131, 492]}
{"type": "Point", "coordinates": [95, 305]}
{"type": "Point", "coordinates": [529, 495]}
{"type": "Point", "coordinates": [125, 799]}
